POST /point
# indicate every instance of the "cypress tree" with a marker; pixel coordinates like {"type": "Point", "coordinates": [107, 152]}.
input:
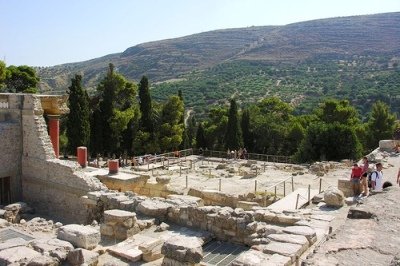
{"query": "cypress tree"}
{"type": "Point", "coordinates": [200, 137]}
{"type": "Point", "coordinates": [78, 121]}
{"type": "Point", "coordinates": [245, 125]}
{"type": "Point", "coordinates": [146, 120]}
{"type": "Point", "coordinates": [106, 109]}
{"type": "Point", "coordinates": [233, 135]}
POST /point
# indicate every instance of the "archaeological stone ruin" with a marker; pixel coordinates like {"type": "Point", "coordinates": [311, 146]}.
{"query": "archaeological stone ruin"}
{"type": "Point", "coordinates": [63, 212]}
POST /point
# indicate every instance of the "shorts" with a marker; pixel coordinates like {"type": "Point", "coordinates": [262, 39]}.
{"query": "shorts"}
{"type": "Point", "coordinates": [355, 181]}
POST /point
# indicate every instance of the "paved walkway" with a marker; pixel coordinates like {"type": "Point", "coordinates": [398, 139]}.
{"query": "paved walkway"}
{"type": "Point", "coordinates": [289, 202]}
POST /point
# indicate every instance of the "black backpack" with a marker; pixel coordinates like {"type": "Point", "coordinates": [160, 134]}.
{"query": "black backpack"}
{"type": "Point", "coordinates": [370, 178]}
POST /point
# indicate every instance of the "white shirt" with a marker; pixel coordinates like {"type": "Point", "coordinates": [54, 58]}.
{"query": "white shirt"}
{"type": "Point", "coordinates": [377, 177]}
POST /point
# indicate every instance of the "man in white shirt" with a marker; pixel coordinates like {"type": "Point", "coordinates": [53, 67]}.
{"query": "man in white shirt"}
{"type": "Point", "coordinates": [377, 178]}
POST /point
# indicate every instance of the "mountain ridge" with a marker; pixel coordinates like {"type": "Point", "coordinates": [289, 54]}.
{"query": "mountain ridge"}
{"type": "Point", "coordinates": [331, 38]}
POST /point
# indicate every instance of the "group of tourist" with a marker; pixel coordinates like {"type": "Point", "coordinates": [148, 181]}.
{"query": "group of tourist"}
{"type": "Point", "coordinates": [236, 154]}
{"type": "Point", "coordinates": [363, 179]}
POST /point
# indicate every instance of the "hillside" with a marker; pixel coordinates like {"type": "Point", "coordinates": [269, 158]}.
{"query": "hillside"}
{"type": "Point", "coordinates": [299, 62]}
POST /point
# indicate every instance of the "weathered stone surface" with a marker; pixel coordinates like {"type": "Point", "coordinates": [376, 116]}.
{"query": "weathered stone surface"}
{"type": "Point", "coordinates": [287, 219]}
{"type": "Point", "coordinates": [122, 233]}
{"type": "Point", "coordinates": [360, 213]}
{"type": "Point", "coordinates": [81, 256]}
{"type": "Point", "coordinates": [162, 227]}
{"type": "Point", "coordinates": [183, 200]}
{"type": "Point", "coordinates": [294, 239]}
{"type": "Point", "coordinates": [184, 249]}
{"type": "Point", "coordinates": [13, 242]}
{"type": "Point", "coordinates": [119, 216]}
{"type": "Point", "coordinates": [17, 255]}
{"type": "Point", "coordinates": [258, 258]}
{"type": "Point", "coordinates": [128, 251]}
{"type": "Point", "coordinates": [306, 231]}
{"type": "Point", "coordinates": [106, 230]}
{"type": "Point", "coordinates": [2, 212]}
{"type": "Point", "coordinates": [79, 235]}
{"type": "Point", "coordinates": [247, 205]}
{"type": "Point", "coordinates": [43, 261]}
{"type": "Point", "coordinates": [154, 208]}
{"type": "Point", "coordinates": [56, 248]}
{"type": "Point", "coordinates": [284, 249]}
{"type": "Point", "coordinates": [172, 262]}
{"type": "Point", "coordinates": [163, 179]}
{"type": "Point", "coordinates": [334, 197]}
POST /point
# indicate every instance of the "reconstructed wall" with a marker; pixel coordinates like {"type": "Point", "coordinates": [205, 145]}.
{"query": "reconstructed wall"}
{"type": "Point", "coordinates": [52, 186]}
{"type": "Point", "coordinates": [11, 143]}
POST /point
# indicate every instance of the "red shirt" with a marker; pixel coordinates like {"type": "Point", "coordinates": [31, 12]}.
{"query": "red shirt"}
{"type": "Point", "coordinates": [356, 172]}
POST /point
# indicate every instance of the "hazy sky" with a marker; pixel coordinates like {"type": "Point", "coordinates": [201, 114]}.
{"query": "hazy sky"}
{"type": "Point", "coordinates": [50, 32]}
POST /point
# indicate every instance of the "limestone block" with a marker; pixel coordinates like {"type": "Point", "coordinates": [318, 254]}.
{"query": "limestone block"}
{"type": "Point", "coordinates": [306, 231]}
{"type": "Point", "coordinates": [54, 247]}
{"type": "Point", "coordinates": [94, 195]}
{"type": "Point", "coordinates": [79, 235]}
{"type": "Point", "coordinates": [287, 219]}
{"type": "Point", "coordinates": [183, 249]}
{"type": "Point", "coordinates": [43, 260]}
{"type": "Point", "coordinates": [182, 200]}
{"type": "Point", "coordinates": [387, 145]}
{"type": "Point", "coordinates": [2, 212]}
{"type": "Point", "coordinates": [163, 180]}
{"type": "Point", "coordinates": [172, 262]}
{"type": "Point", "coordinates": [123, 233]}
{"type": "Point", "coordinates": [154, 208]}
{"type": "Point", "coordinates": [334, 197]}
{"type": "Point", "coordinates": [127, 251]}
{"type": "Point", "coordinates": [344, 185]}
{"type": "Point", "coordinates": [17, 255]}
{"type": "Point", "coordinates": [288, 238]}
{"type": "Point", "coordinates": [116, 216]}
{"type": "Point", "coordinates": [81, 256]}
{"type": "Point", "coordinates": [106, 230]}
{"type": "Point", "coordinates": [13, 242]}
{"type": "Point", "coordinates": [162, 227]}
{"type": "Point", "coordinates": [285, 249]}
{"type": "Point", "coordinates": [258, 258]}
{"type": "Point", "coordinates": [3, 223]}
{"type": "Point", "coordinates": [246, 205]}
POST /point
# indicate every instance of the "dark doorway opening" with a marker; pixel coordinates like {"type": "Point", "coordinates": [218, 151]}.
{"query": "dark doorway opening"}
{"type": "Point", "coordinates": [5, 190]}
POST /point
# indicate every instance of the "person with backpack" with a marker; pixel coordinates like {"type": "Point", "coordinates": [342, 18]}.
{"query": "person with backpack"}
{"type": "Point", "coordinates": [377, 178]}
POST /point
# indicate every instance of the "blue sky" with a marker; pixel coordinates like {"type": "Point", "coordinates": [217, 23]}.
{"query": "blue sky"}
{"type": "Point", "coordinates": [51, 32]}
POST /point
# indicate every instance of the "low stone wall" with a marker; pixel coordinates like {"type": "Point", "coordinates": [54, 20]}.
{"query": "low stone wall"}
{"type": "Point", "coordinates": [225, 223]}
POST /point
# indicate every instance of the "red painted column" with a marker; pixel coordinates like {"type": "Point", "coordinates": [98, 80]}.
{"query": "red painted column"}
{"type": "Point", "coordinates": [54, 130]}
{"type": "Point", "coordinates": [82, 155]}
{"type": "Point", "coordinates": [113, 167]}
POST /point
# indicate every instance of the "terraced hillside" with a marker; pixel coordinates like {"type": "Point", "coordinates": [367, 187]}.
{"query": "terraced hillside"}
{"type": "Point", "coordinates": [348, 57]}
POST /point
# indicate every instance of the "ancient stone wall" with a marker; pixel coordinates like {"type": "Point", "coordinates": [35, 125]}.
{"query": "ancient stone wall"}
{"type": "Point", "coordinates": [10, 143]}
{"type": "Point", "coordinates": [224, 222]}
{"type": "Point", "coordinates": [51, 186]}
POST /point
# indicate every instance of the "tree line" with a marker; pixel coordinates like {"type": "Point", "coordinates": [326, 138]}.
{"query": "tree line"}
{"type": "Point", "coordinates": [121, 118]}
